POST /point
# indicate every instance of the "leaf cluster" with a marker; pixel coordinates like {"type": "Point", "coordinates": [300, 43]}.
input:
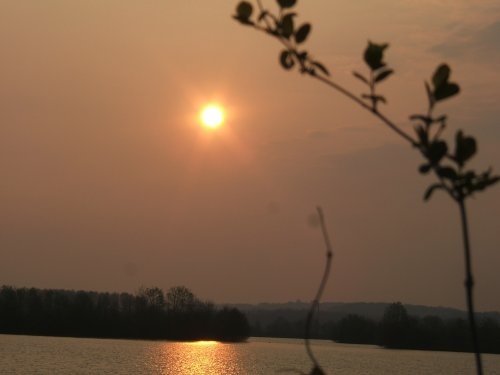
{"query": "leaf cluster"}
{"type": "Point", "coordinates": [449, 166]}
{"type": "Point", "coordinates": [379, 71]}
{"type": "Point", "coordinates": [283, 26]}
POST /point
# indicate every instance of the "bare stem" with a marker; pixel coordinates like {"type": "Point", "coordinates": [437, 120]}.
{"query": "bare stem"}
{"type": "Point", "coordinates": [376, 113]}
{"type": "Point", "coordinates": [343, 90]}
{"type": "Point", "coordinates": [319, 293]}
{"type": "Point", "coordinates": [261, 8]}
{"type": "Point", "coordinates": [469, 285]}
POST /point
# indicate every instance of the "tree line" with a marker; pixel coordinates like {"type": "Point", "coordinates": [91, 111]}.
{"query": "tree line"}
{"type": "Point", "coordinates": [149, 314]}
{"type": "Point", "coordinates": [396, 329]}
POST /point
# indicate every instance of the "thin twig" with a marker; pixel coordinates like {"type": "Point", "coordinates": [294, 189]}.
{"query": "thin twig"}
{"type": "Point", "coordinates": [469, 285]}
{"type": "Point", "coordinates": [376, 113]}
{"type": "Point", "coordinates": [350, 95]}
{"type": "Point", "coordinates": [261, 8]}
{"type": "Point", "coordinates": [319, 293]}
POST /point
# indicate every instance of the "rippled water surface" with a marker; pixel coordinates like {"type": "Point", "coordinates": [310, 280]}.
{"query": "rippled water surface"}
{"type": "Point", "coordinates": [52, 355]}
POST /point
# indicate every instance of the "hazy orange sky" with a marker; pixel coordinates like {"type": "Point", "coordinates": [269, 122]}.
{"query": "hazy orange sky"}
{"type": "Point", "coordinates": [108, 182]}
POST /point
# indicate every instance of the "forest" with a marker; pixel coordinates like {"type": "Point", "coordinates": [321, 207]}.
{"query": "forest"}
{"type": "Point", "coordinates": [179, 315]}
{"type": "Point", "coordinates": [149, 314]}
{"type": "Point", "coordinates": [396, 329]}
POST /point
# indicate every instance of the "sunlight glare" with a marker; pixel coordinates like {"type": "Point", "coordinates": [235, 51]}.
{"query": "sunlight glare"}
{"type": "Point", "coordinates": [205, 342]}
{"type": "Point", "coordinates": [212, 116]}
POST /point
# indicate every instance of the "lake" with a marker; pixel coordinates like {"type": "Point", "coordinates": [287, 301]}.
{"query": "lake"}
{"type": "Point", "coordinates": [59, 355]}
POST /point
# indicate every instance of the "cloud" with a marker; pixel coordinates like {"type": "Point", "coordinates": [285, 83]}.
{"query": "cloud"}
{"type": "Point", "coordinates": [467, 42]}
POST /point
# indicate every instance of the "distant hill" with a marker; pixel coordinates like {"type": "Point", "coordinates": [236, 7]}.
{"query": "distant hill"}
{"type": "Point", "coordinates": [264, 314]}
{"type": "Point", "coordinates": [417, 327]}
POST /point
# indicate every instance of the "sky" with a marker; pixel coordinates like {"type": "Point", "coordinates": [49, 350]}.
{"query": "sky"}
{"type": "Point", "coordinates": [109, 182]}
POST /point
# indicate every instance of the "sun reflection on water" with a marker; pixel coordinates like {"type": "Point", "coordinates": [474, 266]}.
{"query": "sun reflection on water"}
{"type": "Point", "coordinates": [205, 342]}
{"type": "Point", "coordinates": [200, 357]}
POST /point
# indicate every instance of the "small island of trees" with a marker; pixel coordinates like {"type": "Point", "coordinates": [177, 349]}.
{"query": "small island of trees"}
{"type": "Point", "coordinates": [149, 314]}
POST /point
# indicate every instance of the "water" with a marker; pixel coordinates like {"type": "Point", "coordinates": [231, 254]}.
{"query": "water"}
{"type": "Point", "coordinates": [52, 355]}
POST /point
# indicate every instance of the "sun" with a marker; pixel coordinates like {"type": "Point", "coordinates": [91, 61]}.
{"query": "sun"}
{"type": "Point", "coordinates": [212, 116]}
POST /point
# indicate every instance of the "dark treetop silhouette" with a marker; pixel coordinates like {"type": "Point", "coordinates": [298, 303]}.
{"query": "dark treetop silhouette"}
{"type": "Point", "coordinates": [448, 164]}
{"type": "Point", "coordinates": [150, 314]}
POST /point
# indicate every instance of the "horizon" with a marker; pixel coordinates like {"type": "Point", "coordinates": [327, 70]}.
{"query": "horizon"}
{"type": "Point", "coordinates": [256, 304]}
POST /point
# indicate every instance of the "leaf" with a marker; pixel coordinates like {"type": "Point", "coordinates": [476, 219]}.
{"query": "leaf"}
{"type": "Point", "coordinates": [360, 77]}
{"type": "Point", "coordinates": [374, 55]}
{"type": "Point", "coordinates": [436, 151]}
{"type": "Point", "coordinates": [321, 67]}
{"type": "Point", "coordinates": [480, 182]}
{"type": "Point", "coordinates": [286, 3]}
{"type": "Point", "coordinates": [425, 119]}
{"type": "Point", "coordinates": [493, 180]}
{"type": "Point", "coordinates": [431, 190]}
{"type": "Point", "coordinates": [424, 168]}
{"type": "Point", "coordinates": [287, 25]}
{"type": "Point", "coordinates": [430, 95]}
{"type": "Point", "coordinates": [445, 91]}
{"type": "Point", "coordinates": [447, 172]}
{"type": "Point", "coordinates": [374, 98]}
{"type": "Point", "coordinates": [286, 60]}
{"type": "Point", "coordinates": [263, 15]}
{"type": "Point", "coordinates": [383, 75]}
{"type": "Point", "coordinates": [302, 56]}
{"type": "Point", "coordinates": [302, 33]}
{"type": "Point", "coordinates": [422, 135]}
{"type": "Point", "coordinates": [441, 75]}
{"type": "Point", "coordinates": [441, 119]}
{"type": "Point", "coordinates": [470, 175]}
{"type": "Point", "coordinates": [465, 148]}
{"type": "Point", "coordinates": [442, 88]}
{"type": "Point", "coordinates": [244, 11]}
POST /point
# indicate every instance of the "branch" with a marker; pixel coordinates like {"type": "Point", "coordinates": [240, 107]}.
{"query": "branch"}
{"type": "Point", "coordinates": [342, 90]}
{"type": "Point", "coordinates": [369, 108]}
{"type": "Point", "coordinates": [319, 293]}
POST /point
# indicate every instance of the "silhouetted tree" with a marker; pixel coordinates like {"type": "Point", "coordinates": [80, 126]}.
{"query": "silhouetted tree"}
{"type": "Point", "coordinates": [395, 326]}
{"type": "Point", "coordinates": [490, 335]}
{"type": "Point", "coordinates": [180, 299]}
{"type": "Point", "coordinates": [153, 298]}
{"type": "Point", "coordinates": [431, 333]}
{"type": "Point", "coordinates": [355, 329]}
{"type": "Point", "coordinates": [230, 324]}
{"type": "Point", "coordinates": [10, 310]}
